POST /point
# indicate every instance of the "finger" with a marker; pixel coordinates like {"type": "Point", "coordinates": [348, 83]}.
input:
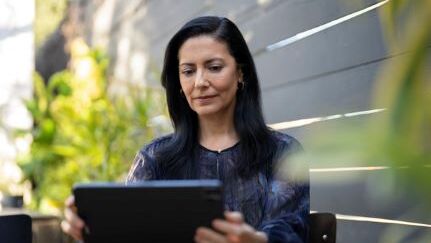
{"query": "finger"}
{"type": "Point", "coordinates": [233, 239]}
{"type": "Point", "coordinates": [68, 229]}
{"type": "Point", "coordinates": [73, 219]}
{"type": "Point", "coordinates": [70, 201]}
{"type": "Point", "coordinates": [248, 236]}
{"type": "Point", "coordinates": [200, 240]}
{"type": "Point", "coordinates": [208, 235]}
{"type": "Point", "coordinates": [226, 227]}
{"type": "Point", "coordinates": [262, 236]}
{"type": "Point", "coordinates": [234, 217]}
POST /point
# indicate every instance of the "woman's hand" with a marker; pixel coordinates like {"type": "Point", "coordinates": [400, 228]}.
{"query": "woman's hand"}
{"type": "Point", "coordinates": [231, 230]}
{"type": "Point", "coordinates": [72, 225]}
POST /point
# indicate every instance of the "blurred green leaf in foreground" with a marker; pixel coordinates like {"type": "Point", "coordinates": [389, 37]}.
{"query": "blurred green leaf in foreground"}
{"type": "Point", "coordinates": [399, 138]}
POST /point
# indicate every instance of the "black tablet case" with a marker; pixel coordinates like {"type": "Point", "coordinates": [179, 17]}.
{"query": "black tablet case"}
{"type": "Point", "coordinates": [151, 211]}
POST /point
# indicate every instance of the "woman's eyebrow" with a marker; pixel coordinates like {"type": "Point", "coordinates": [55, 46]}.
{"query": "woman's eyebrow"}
{"type": "Point", "coordinates": [206, 62]}
{"type": "Point", "coordinates": [213, 60]}
{"type": "Point", "coordinates": [186, 64]}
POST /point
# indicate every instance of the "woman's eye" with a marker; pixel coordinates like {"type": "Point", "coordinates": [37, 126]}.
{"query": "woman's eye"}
{"type": "Point", "coordinates": [187, 72]}
{"type": "Point", "coordinates": [215, 68]}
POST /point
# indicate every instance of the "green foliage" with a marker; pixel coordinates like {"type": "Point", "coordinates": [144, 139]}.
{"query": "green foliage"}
{"type": "Point", "coordinates": [81, 133]}
{"type": "Point", "coordinates": [404, 87]}
{"type": "Point", "coordinates": [400, 137]}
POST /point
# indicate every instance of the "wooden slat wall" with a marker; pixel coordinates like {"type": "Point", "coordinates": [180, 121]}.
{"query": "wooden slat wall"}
{"type": "Point", "coordinates": [330, 72]}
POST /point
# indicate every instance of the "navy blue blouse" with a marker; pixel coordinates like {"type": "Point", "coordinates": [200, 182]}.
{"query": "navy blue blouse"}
{"type": "Point", "coordinates": [278, 207]}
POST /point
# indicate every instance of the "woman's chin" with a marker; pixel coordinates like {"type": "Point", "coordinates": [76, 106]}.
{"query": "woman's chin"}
{"type": "Point", "coordinates": [206, 111]}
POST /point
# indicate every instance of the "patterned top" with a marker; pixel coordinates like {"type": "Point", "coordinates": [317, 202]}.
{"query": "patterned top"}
{"type": "Point", "coordinates": [277, 207]}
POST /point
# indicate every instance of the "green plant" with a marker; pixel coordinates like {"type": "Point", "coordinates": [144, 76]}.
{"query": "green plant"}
{"type": "Point", "coordinates": [404, 88]}
{"type": "Point", "coordinates": [398, 138]}
{"type": "Point", "coordinates": [81, 132]}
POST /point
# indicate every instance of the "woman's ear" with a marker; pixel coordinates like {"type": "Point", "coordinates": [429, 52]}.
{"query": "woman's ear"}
{"type": "Point", "coordinates": [240, 75]}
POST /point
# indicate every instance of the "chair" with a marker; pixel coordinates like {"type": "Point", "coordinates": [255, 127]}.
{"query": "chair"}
{"type": "Point", "coordinates": [46, 228]}
{"type": "Point", "coordinates": [323, 228]}
{"type": "Point", "coordinates": [15, 228]}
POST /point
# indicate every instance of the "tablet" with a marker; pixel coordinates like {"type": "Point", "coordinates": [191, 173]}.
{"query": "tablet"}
{"type": "Point", "coordinates": [15, 228]}
{"type": "Point", "coordinates": [150, 211]}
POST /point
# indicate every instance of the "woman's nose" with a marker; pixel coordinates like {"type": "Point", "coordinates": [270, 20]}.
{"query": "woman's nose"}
{"type": "Point", "coordinates": [201, 80]}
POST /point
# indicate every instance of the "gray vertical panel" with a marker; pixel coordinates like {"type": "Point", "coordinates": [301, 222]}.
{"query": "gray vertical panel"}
{"type": "Point", "coordinates": [360, 232]}
{"type": "Point", "coordinates": [292, 17]}
{"type": "Point", "coordinates": [155, 24]}
{"type": "Point", "coordinates": [262, 25]}
{"type": "Point", "coordinates": [338, 93]}
{"type": "Point", "coordinates": [233, 9]}
{"type": "Point", "coordinates": [352, 43]}
{"type": "Point", "coordinates": [356, 193]}
{"type": "Point", "coordinates": [306, 134]}
{"type": "Point", "coordinates": [163, 17]}
{"type": "Point", "coordinates": [362, 193]}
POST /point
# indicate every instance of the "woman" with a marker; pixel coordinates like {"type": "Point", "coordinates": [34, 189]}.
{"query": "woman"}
{"type": "Point", "coordinates": [213, 98]}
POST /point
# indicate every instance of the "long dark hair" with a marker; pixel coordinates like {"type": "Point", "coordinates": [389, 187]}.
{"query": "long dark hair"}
{"type": "Point", "coordinates": [257, 146]}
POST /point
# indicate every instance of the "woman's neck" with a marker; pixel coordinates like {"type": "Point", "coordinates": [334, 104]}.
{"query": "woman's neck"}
{"type": "Point", "coordinates": [217, 132]}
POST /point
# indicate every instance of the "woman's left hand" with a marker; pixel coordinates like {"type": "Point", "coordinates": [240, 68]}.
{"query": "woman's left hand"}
{"type": "Point", "coordinates": [231, 230]}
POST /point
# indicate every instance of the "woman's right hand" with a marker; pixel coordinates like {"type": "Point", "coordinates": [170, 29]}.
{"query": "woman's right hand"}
{"type": "Point", "coordinates": [73, 224]}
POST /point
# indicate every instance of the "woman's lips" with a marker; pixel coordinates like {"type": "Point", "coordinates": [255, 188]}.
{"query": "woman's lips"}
{"type": "Point", "coordinates": [204, 99]}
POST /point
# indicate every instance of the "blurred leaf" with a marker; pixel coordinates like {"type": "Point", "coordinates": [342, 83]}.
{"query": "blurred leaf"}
{"type": "Point", "coordinates": [81, 133]}
{"type": "Point", "coordinates": [59, 84]}
{"type": "Point", "coordinates": [398, 139]}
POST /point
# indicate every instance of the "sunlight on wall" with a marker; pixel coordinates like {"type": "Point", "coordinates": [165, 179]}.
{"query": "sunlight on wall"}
{"type": "Point", "coordinates": [17, 62]}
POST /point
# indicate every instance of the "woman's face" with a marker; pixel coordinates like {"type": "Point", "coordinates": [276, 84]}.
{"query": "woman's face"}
{"type": "Point", "coordinates": [208, 76]}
